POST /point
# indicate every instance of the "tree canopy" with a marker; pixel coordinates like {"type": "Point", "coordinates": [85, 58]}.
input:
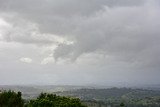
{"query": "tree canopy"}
{"type": "Point", "coordinates": [51, 100]}
{"type": "Point", "coordinates": [13, 99]}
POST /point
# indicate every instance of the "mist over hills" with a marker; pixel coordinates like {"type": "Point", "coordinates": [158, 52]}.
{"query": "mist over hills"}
{"type": "Point", "coordinates": [34, 90]}
{"type": "Point", "coordinates": [93, 96]}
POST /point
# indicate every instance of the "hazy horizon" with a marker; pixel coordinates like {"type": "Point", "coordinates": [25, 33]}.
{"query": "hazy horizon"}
{"type": "Point", "coordinates": [80, 42]}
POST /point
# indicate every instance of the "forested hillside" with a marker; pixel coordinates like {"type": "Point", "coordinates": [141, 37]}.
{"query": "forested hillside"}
{"type": "Point", "coordinates": [115, 96]}
{"type": "Point", "coordinates": [111, 97]}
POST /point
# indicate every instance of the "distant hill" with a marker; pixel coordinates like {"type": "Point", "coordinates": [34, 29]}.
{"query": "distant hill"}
{"type": "Point", "coordinates": [114, 96]}
{"type": "Point", "coordinates": [95, 97]}
{"type": "Point", "coordinates": [91, 94]}
{"type": "Point", "coordinates": [32, 91]}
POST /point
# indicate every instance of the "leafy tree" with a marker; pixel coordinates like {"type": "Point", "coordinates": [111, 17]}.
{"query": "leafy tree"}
{"type": "Point", "coordinates": [122, 104]}
{"type": "Point", "coordinates": [13, 99]}
{"type": "Point", "coordinates": [50, 100]}
{"type": "Point", "coordinates": [10, 99]}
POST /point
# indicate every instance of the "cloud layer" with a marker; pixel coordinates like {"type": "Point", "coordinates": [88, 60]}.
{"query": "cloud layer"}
{"type": "Point", "coordinates": [115, 36]}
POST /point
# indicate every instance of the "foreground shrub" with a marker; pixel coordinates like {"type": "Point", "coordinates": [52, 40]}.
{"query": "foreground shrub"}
{"type": "Point", "coordinates": [50, 100]}
{"type": "Point", "coordinates": [11, 99]}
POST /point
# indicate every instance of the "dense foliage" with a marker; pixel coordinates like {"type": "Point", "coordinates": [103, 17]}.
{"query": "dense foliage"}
{"type": "Point", "coordinates": [113, 97]}
{"type": "Point", "coordinates": [13, 99]}
{"type": "Point", "coordinates": [10, 99]}
{"type": "Point", "coordinates": [50, 100]}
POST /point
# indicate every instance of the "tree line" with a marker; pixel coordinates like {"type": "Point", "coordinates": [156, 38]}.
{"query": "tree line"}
{"type": "Point", "coordinates": [14, 99]}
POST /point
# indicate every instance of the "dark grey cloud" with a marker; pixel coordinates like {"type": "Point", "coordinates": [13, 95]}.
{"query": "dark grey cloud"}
{"type": "Point", "coordinates": [118, 37]}
{"type": "Point", "coordinates": [63, 7]}
{"type": "Point", "coordinates": [60, 13]}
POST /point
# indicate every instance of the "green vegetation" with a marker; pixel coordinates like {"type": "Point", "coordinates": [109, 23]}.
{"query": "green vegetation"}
{"type": "Point", "coordinates": [10, 99]}
{"type": "Point", "coordinates": [13, 99]}
{"type": "Point", "coordinates": [116, 97]}
{"type": "Point", "coordinates": [113, 97]}
{"type": "Point", "coordinates": [50, 100]}
{"type": "Point", "coordinates": [122, 105]}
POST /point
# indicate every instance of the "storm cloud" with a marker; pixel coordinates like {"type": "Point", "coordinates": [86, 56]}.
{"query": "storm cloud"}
{"type": "Point", "coordinates": [104, 41]}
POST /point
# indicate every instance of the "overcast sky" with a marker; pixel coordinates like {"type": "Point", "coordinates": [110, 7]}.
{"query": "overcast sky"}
{"type": "Point", "coordinates": [80, 42]}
